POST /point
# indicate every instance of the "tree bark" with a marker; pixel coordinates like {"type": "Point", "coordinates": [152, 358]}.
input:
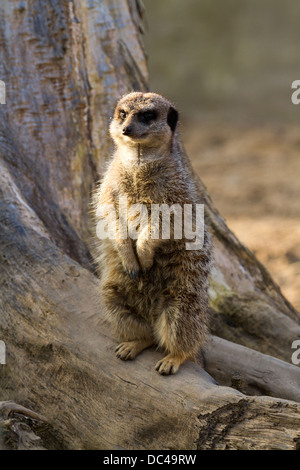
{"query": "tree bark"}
{"type": "Point", "coordinates": [65, 63]}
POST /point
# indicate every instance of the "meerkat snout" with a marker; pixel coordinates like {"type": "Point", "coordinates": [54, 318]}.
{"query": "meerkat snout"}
{"type": "Point", "coordinates": [127, 130]}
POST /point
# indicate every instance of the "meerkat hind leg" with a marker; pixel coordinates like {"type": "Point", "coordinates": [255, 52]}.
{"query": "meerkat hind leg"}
{"type": "Point", "coordinates": [170, 364]}
{"type": "Point", "coordinates": [130, 349]}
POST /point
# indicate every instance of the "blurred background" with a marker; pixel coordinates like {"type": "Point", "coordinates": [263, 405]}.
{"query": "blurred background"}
{"type": "Point", "coordinates": [229, 66]}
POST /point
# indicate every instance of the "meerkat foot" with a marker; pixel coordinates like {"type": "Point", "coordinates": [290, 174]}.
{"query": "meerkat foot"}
{"type": "Point", "coordinates": [130, 349]}
{"type": "Point", "coordinates": [169, 365]}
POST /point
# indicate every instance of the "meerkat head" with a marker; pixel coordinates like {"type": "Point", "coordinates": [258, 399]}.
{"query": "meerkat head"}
{"type": "Point", "coordinates": [147, 119]}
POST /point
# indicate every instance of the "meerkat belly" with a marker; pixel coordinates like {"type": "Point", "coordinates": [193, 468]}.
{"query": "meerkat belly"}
{"type": "Point", "coordinates": [165, 279]}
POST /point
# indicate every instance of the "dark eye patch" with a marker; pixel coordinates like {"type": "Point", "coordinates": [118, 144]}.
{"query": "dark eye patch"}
{"type": "Point", "coordinates": [122, 114]}
{"type": "Point", "coordinates": [147, 116]}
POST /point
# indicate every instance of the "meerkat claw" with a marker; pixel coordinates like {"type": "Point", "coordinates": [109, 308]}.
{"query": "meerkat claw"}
{"type": "Point", "coordinates": [133, 274]}
{"type": "Point", "coordinates": [164, 369]}
{"type": "Point", "coordinates": [169, 365]}
{"type": "Point", "coordinates": [130, 349]}
{"type": "Point", "coordinates": [123, 352]}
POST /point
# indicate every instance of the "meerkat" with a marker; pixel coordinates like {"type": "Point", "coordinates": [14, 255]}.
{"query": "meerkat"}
{"type": "Point", "coordinates": [154, 291]}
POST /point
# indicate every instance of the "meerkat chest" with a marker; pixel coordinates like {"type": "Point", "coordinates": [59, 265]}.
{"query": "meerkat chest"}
{"type": "Point", "coordinates": [144, 185]}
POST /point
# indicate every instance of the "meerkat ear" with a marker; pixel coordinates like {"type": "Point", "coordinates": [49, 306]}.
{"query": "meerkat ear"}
{"type": "Point", "coordinates": [172, 118]}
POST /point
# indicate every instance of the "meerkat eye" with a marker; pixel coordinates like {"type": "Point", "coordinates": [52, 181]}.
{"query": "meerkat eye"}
{"type": "Point", "coordinates": [122, 114]}
{"type": "Point", "coordinates": [147, 116]}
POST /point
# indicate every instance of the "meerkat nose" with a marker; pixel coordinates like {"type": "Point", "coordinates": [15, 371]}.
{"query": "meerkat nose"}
{"type": "Point", "coordinates": [127, 130]}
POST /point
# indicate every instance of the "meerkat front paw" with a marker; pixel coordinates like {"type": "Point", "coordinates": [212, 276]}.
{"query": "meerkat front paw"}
{"type": "Point", "coordinates": [169, 364]}
{"type": "Point", "coordinates": [133, 274]}
{"type": "Point", "coordinates": [145, 254]}
{"type": "Point", "coordinates": [132, 268]}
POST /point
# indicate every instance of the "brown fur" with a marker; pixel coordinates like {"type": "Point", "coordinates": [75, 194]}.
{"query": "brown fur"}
{"type": "Point", "coordinates": [153, 291]}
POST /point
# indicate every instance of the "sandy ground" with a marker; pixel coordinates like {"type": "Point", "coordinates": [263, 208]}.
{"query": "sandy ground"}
{"type": "Point", "coordinates": [253, 177]}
